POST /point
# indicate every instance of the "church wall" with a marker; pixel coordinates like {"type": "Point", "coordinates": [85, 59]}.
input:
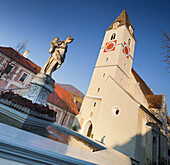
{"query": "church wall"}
{"type": "Point", "coordinates": [144, 146]}
{"type": "Point", "coordinates": [163, 147]}
{"type": "Point", "coordinates": [114, 126]}
{"type": "Point", "coordinates": [98, 80]}
{"type": "Point", "coordinates": [134, 89]}
{"type": "Point", "coordinates": [144, 137]}
{"type": "Point", "coordinates": [88, 112]}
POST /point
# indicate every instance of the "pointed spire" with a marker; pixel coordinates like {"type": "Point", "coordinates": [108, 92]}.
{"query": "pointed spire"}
{"type": "Point", "coordinates": [123, 19]}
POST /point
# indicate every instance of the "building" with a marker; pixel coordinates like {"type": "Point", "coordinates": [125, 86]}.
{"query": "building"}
{"type": "Point", "coordinates": [16, 72]}
{"type": "Point", "coordinates": [119, 109]}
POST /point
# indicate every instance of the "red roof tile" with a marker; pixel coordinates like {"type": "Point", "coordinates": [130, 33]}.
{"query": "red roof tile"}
{"type": "Point", "coordinates": [15, 56]}
{"type": "Point", "coordinates": [63, 99]}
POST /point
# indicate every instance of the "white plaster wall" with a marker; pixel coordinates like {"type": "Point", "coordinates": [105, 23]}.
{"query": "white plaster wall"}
{"type": "Point", "coordinates": [88, 112]}
{"type": "Point", "coordinates": [134, 89]}
{"type": "Point", "coordinates": [119, 131]}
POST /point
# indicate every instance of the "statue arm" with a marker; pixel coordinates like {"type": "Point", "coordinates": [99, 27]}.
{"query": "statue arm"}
{"type": "Point", "coordinates": [53, 44]}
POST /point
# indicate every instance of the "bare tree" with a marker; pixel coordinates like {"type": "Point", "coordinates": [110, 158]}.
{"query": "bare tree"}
{"type": "Point", "coordinates": [21, 47]}
{"type": "Point", "coordinates": [6, 68]}
{"type": "Point", "coordinates": [166, 46]}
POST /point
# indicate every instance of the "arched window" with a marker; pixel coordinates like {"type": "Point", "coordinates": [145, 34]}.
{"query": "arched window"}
{"type": "Point", "coordinates": [89, 130]}
{"type": "Point", "coordinates": [154, 150]}
{"type": "Point", "coordinates": [113, 36]}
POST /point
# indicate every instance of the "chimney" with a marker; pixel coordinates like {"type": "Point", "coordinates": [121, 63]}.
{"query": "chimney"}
{"type": "Point", "coordinates": [27, 52]}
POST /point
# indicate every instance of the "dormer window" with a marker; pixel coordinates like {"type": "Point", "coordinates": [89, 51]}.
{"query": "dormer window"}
{"type": "Point", "coordinates": [115, 25]}
{"type": "Point", "coordinates": [113, 36]}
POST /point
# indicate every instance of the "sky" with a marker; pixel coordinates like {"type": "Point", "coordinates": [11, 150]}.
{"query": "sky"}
{"type": "Point", "coordinates": [39, 21]}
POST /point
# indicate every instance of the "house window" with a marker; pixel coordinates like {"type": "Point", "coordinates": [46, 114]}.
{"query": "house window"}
{"type": "Point", "coordinates": [98, 89]}
{"type": "Point", "coordinates": [8, 69]}
{"type": "Point", "coordinates": [106, 59]}
{"type": "Point", "coordinates": [103, 74]}
{"type": "Point", "coordinates": [113, 36]}
{"type": "Point", "coordinates": [23, 77]}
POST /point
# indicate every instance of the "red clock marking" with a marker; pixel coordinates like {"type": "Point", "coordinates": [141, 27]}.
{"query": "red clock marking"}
{"type": "Point", "coordinates": [110, 46]}
{"type": "Point", "coordinates": [126, 50]}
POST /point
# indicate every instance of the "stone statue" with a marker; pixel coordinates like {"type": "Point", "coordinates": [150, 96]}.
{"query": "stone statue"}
{"type": "Point", "coordinates": [58, 51]}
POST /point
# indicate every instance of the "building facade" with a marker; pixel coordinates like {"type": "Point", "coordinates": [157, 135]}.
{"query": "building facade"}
{"type": "Point", "coordinates": [16, 72]}
{"type": "Point", "coordinates": [119, 109]}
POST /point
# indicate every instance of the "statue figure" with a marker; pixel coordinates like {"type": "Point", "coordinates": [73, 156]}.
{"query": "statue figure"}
{"type": "Point", "coordinates": [58, 51]}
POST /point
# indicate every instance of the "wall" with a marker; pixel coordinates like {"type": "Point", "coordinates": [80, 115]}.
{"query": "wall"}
{"type": "Point", "coordinates": [68, 121]}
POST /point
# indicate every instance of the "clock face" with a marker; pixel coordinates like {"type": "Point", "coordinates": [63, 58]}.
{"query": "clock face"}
{"type": "Point", "coordinates": [110, 46]}
{"type": "Point", "coordinates": [126, 50]}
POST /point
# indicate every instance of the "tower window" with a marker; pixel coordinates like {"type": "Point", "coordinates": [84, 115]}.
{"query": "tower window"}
{"type": "Point", "coordinates": [103, 74]}
{"type": "Point", "coordinates": [98, 89]}
{"type": "Point", "coordinates": [106, 59]}
{"type": "Point", "coordinates": [113, 36]}
{"type": "Point", "coordinates": [129, 41]}
{"type": "Point", "coordinates": [94, 104]}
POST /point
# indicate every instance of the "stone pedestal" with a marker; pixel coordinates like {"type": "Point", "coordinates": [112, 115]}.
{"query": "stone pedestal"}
{"type": "Point", "coordinates": [41, 87]}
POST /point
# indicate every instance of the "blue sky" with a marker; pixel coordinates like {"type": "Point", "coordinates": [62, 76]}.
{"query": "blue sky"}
{"type": "Point", "coordinates": [39, 21]}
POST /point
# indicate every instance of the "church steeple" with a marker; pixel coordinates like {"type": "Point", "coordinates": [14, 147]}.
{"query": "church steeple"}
{"type": "Point", "coordinates": [122, 19]}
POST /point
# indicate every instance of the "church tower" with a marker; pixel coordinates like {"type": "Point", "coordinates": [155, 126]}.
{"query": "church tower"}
{"type": "Point", "coordinates": [115, 57]}
{"type": "Point", "coordinates": [109, 83]}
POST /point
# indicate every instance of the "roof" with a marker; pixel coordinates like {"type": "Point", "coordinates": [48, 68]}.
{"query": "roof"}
{"type": "Point", "coordinates": [153, 100]}
{"type": "Point", "coordinates": [145, 89]}
{"type": "Point", "coordinates": [123, 19]}
{"type": "Point", "coordinates": [15, 56]}
{"type": "Point", "coordinates": [63, 99]}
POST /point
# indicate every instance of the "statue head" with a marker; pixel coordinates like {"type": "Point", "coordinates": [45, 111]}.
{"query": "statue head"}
{"type": "Point", "coordinates": [69, 39]}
